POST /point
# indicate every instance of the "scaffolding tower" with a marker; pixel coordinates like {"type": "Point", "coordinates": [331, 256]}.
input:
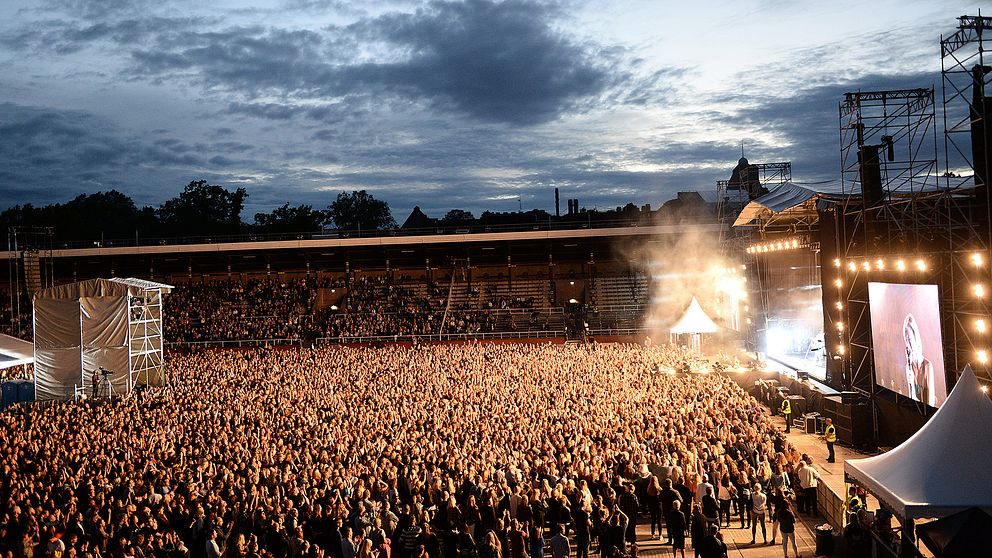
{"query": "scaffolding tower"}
{"type": "Point", "coordinates": [966, 84]}
{"type": "Point", "coordinates": [892, 206]}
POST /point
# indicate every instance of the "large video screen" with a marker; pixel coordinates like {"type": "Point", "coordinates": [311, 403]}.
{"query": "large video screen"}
{"type": "Point", "coordinates": [905, 330]}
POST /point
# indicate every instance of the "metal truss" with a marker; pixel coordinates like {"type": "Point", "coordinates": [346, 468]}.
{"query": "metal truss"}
{"type": "Point", "coordinates": [966, 82]}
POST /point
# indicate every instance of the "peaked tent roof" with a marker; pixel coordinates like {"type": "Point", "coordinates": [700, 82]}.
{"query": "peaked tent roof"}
{"type": "Point", "coordinates": [934, 472]}
{"type": "Point", "coordinates": [694, 320]}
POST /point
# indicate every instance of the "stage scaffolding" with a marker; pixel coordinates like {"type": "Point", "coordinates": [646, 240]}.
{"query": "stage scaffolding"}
{"type": "Point", "coordinates": [967, 109]}
{"type": "Point", "coordinates": [891, 207]}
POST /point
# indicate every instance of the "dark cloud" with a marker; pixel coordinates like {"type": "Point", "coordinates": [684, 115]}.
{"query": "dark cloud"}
{"type": "Point", "coordinates": [808, 122]}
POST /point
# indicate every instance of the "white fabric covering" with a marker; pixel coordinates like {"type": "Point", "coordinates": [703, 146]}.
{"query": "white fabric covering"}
{"type": "Point", "coordinates": [694, 320]}
{"type": "Point", "coordinates": [944, 467]}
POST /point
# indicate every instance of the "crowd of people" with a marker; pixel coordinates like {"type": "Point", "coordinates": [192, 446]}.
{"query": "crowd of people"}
{"type": "Point", "coordinates": [434, 451]}
{"type": "Point", "coordinates": [287, 309]}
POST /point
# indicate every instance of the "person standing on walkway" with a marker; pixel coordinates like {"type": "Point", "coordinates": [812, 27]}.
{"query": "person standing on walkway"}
{"type": "Point", "coordinates": [809, 478]}
{"type": "Point", "coordinates": [787, 523]}
{"type": "Point", "coordinates": [758, 503]}
{"type": "Point", "coordinates": [830, 435]}
{"type": "Point", "coordinates": [787, 413]}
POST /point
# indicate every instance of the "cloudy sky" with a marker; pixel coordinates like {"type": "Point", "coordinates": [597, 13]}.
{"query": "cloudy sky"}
{"type": "Point", "coordinates": [463, 104]}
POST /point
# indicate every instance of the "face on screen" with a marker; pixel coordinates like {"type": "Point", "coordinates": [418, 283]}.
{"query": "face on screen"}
{"type": "Point", "coordinates": [905, 325]}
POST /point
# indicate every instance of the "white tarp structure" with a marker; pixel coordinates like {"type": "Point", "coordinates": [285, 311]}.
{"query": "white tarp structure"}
{"type": "Point", "coordinates": [114, 324]}
{"type": "Point", "coordinates": [694, 320]}
{"type": "Point", "coordinates": [943, 468]}
{"type": "Point", "coordinates": [788, 199]}
{"type": "Point", "coordinates": [15, 352]}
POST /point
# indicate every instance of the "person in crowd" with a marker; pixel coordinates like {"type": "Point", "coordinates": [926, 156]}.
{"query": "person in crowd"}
{"type": "Point", "coordinates": [758, 503]}
{"type": "Point", "coordinates": [677, 528]}
{"type": "Point", "coordinates": [809, 479]}
{"type": "Point", "coordinates": [787, 521]}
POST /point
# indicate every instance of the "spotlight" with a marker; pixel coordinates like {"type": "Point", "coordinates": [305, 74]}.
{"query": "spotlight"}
{"type": "Point", "coordinates": [921, 265]}
{"type": "Point", "coordinates": [840, 326]}
{"type": "Point", "coordinates": [795, 243]}
{"type": "Point", "coordinates": [839, 305]}
{"type": "Point", "coordinates": [839, 283]}
{"type": "Point", "coordinates": [901, 265]}
{"type": "Point", "coordinates": [981, 326]}
{"type": "Point", "coordinates": [840, 349]}
{"type": "Point", "coordinates": [852, 266]}
{"type": "Point", "coordinates": [866, 265]}
{"type": "Point", "coordinates": [983, 356]}
{"type": "Point", "coordinates": [880, 264]}
{"type": "Point", "coordinates": [836, 262]}
{"type": "Point", "coordinates": [979, 291]}
{"type": "Point", "coordinates": [985, 389]}
{"type": "Point", "coordinates": [977, 259]}
{"type": "Point", "coordinates": [779, 244]}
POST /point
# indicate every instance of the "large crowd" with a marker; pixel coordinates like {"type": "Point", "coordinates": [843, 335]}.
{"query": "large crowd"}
{"type": "Point", "coordinates": [436, 451]}
{"type": "Point", "coordinates": [288, 309]}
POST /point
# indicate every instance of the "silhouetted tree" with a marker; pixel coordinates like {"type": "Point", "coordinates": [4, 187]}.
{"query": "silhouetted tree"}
{"type": "Point", "coordinates": [286, 219]}
{"type": "Point", "coordinates": [203, 209]}
{"type": "Point", "coordinates": [360, 210]}
{"type": "Point", "coordinates": [457, 217]}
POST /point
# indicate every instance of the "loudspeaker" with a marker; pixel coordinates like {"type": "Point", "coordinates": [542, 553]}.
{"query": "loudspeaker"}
{"type": "Point", "coordinates": [871, 175]}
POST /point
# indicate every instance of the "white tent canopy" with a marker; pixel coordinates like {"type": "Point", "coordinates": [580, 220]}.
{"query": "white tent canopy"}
{"type": "Point", "coordinates": [15, 352]}
{"type": "Point", "coordinates": [943, 468]}
{"type": "Point", "coordinates": [694, 320]}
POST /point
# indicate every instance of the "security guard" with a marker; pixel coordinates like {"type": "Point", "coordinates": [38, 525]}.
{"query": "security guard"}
{"type": "Point", "coordinates": [830, 435]}
{"type": "Point", "coordinates": [787, 413]}
{"type": "Point", "coordinates": [854, 503]}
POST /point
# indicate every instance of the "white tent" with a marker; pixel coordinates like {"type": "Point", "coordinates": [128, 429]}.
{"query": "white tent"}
{"type": "Point", "coordinates": [694, 320]}
{"type": "Point", "coordinates": [15, 352]}
{"type": "Point", "coordinates": [943, 468]}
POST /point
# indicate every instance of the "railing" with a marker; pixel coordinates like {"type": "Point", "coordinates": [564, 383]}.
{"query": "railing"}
{"type": "Point", "coordinates": [231, 343]}
{"type": "Point", "coordinates": [618, 332]}
{"type": "Point", "coordinates": [489, 336]}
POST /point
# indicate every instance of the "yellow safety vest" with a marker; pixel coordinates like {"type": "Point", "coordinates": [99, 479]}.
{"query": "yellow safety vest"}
{"type": "Point", "coordinates": [786, 407]}
{"type": "Point", "coordinates": [831, 433]}
{"type": "Point", "coordinates": [854, 503]}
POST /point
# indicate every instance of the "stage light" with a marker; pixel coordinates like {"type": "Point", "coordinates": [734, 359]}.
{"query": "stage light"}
{"type": "Point", "coordinates": [747, 308]}
{"type": "Point", "coordinates": [921, 265]}
{"type": "Point", "coordinates": [981, 326]}
{"type": "Point", "coordinates": [852, 266]}
{"type": "Point", "coordinates": [836, 262]}
{"type": "Point", "coordinates": [779, 244]}
{"type": "Point", "coordinates": [840, 349]}
{"type": "Point", "coordinates": [979, 291]}
{"type": "Point", "coordinates": [840, 326]}
{"type": "Point", "coordinates": [748, 321]}
{"type": "Point", "coordinates": [977, 259]}
{"type": "Point", "coordinates": [985, 389]}
{"type": "Point", "coordinates": [840, 305]}
{"type": "Point", "coordinates": [839, 283]}
{"type": "Point", "coordinates": [880, 265]}
{"type": "Point", "coordinates": [795, 243]}
{"type": "Point", "coordinates": [983, 356]}
{"type": "Point", "coordinates": [901, 265]}
{"type": "Point", "coordinates": [866, 265]}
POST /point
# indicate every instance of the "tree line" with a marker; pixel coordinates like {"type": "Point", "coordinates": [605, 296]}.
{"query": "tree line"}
{"type": "Point", "coordinates": [201, 209]}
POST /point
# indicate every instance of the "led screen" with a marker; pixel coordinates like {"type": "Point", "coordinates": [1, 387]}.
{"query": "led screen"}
{"type": "Point", "coordinates": [905, 330]}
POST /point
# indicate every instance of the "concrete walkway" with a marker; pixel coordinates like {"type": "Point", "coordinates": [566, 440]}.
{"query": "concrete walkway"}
{"type": "Point", "coordinates": [739, 540]}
